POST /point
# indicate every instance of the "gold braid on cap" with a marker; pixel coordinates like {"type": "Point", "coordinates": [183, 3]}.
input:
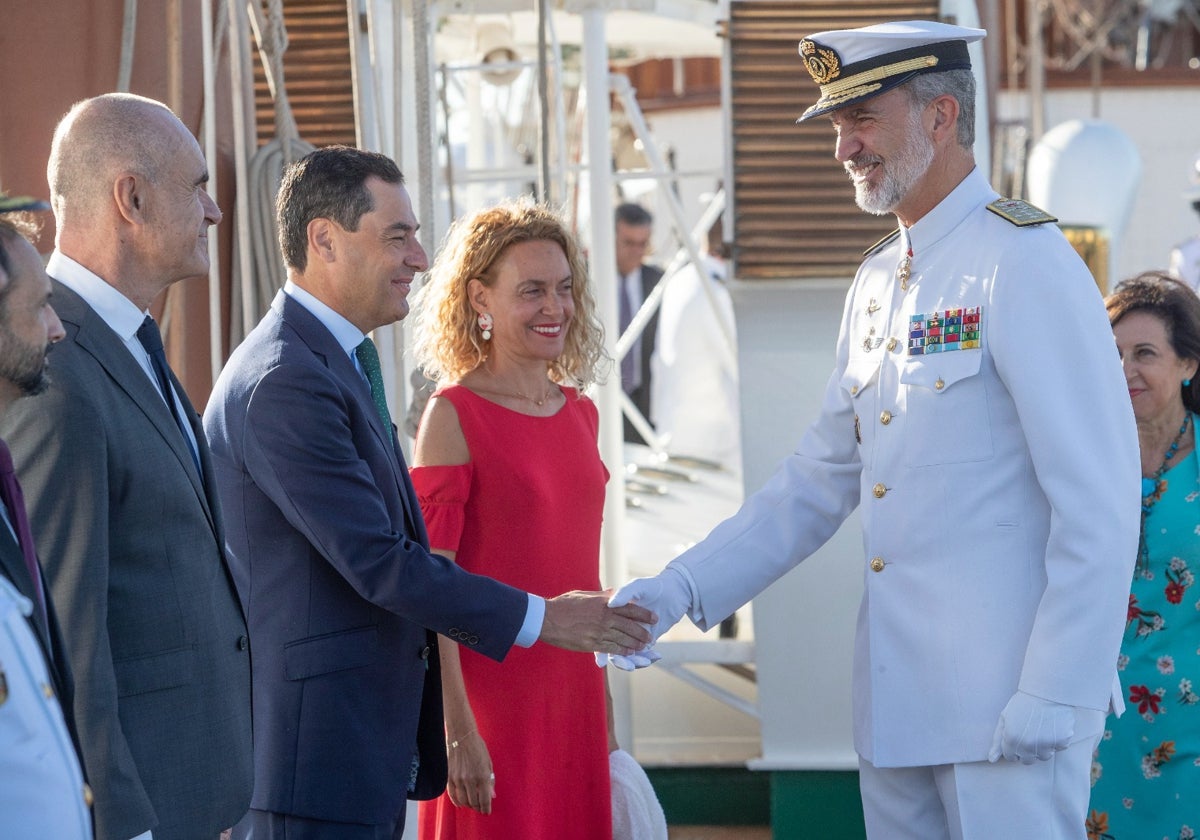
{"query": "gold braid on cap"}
{"type": "Point", "coordinates": [876, 74]}
{"type": "Point", "coordinates": [822, 64]}
{"type": "Point", "coordinates": [846, 96]}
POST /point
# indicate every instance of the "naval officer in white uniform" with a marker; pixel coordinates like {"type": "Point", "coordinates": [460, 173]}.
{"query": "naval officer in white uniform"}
{"type": "Point", "coordinates": [978, 413]}
{"type": "Point", "coordinates": [1185, 257]}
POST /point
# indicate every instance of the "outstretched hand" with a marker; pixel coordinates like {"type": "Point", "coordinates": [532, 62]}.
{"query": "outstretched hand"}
{"type": "Point", "coordinates": [667, 594]}
{"type": "Point", "coordinates": [633, 662]}
{"type": "Point", "coordinates": [584, 621]}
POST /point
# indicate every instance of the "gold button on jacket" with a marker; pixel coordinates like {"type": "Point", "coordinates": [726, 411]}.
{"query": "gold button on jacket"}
{"type": "Point", "coordinates": [879, 490]}
{"type": "Point", "coordinates": [885, 417]}
{"type": "Point", "coordinates": [877, 564]}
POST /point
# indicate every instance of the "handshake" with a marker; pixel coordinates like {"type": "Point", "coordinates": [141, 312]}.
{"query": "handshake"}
{"type": "Point", "coordinates": [668, 595]}
{"type": "Point", "coordinates": [621, 629]}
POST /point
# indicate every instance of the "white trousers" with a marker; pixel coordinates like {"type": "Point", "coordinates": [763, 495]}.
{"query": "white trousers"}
{"type": "Point", "coordinates": [1047, 800]}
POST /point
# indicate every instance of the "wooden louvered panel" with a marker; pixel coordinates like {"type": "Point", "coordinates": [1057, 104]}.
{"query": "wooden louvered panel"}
{"type": "Point", "coordinates": [316, 68]}
{"type": "Point", "coordinates": [793, 207]}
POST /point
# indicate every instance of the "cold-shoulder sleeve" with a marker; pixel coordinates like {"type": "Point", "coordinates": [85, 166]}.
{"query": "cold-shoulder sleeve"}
{"type": "Point", "coordinates": [442, 492]}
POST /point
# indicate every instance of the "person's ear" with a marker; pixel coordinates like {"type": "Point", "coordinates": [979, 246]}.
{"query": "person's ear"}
{"type": "Point", "coordinates": [128, 198]}
{"type": "Point", "coordinates": [322, 239]}
{"type": "Point", "coordinates": [945, 117]}
{"type": "Point", "coordinates": [477, 294]}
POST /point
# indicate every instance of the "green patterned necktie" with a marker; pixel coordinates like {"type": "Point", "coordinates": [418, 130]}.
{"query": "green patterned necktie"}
{"type": "Point", "coordinates": [368, 358]}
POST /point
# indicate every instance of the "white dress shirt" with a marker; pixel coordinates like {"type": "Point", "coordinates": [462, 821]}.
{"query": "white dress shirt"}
{"type": "Point", "coordinates": [121, 315]}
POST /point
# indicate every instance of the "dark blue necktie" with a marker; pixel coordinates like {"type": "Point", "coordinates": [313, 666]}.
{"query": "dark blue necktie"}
{"type": "Point", "coordinates": [151, 340]}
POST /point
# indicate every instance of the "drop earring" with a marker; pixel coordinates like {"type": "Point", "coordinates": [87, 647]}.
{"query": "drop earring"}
{"type": "Point", "coordinates": [485, 325]}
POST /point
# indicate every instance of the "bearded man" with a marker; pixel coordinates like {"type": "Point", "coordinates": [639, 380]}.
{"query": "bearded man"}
{"type": "Point", "coordinates": [978, 409]}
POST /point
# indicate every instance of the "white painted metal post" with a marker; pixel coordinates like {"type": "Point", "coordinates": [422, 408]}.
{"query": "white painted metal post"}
{"type": "Point", "coordinates": [602, 259]}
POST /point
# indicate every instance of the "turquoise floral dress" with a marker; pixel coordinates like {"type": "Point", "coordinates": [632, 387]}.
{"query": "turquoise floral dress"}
{"type": "Point", "coordinates": [1146, 771]}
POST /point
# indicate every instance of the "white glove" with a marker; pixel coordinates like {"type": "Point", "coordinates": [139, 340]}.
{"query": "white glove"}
{"type": "Point", "coordinates": [668, 595]}
{"type": "Point", "coordinates": [633, 662]}
{"type": "Point", "coordinates": [1032, 729]}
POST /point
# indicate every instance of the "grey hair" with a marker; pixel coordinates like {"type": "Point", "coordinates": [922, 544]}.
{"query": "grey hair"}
{"type": "Point", "coordinates": [926, 87]}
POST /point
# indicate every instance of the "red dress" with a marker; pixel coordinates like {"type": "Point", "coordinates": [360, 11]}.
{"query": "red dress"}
{"type": "Point", "coordinates": [527, 510]}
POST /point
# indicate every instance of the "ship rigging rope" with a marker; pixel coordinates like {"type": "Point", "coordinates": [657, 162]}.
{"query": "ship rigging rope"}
{"type": "Point", "coordinates": [128, 29]}
{"type": "Point", "coordinates": [264, 173]}
{"type": "Point", "coordinates": [425, 139]}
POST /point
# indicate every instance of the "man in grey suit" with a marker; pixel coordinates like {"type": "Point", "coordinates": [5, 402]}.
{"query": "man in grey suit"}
{"type": "Point", "coordinates": [636, 279]}
{"type": "Point", "coordinates": [326, 539]}
{"type": "Point", "coordinates": [120, 488]}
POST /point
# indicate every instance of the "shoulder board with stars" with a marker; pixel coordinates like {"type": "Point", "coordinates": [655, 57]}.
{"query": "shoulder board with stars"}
{"type": "Point", "coordinates": [881, 243]}
{"type": "Point", "coordinates": [1020, 213]}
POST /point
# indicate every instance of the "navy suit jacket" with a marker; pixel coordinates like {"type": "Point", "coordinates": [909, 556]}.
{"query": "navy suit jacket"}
{"type": "Point", "coordinates": [331, 561]}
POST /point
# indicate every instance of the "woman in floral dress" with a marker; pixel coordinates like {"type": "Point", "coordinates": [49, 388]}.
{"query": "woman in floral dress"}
{"type": "Point", "coordinates": [1146, 773]}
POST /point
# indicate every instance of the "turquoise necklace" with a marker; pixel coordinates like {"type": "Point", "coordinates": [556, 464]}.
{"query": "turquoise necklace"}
{"type": "Point", "coordinates": [1153, 488]}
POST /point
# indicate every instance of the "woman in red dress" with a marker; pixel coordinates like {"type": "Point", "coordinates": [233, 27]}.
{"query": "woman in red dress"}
{"type": "Point", "coordinates": [511, 485]}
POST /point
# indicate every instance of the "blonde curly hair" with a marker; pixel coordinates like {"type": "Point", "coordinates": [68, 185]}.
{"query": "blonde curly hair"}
{"type": "Point", "coordinates": [447, 341]}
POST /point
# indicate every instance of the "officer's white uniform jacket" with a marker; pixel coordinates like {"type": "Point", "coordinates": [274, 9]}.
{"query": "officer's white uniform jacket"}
{"type": "Point", "coordinates": [41, 785]}
{"type": "Point", "coordinates": [1185, 262]}
{"type": "Point", "coordinates": [999, 485]}
{"type": "Point", "coordinates": [694, 382]}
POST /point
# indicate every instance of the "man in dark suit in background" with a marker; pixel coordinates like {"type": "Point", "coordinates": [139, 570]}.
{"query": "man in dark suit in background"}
{"type": "Point", "coordinates": [42, 792]}
{"type": "Point", "coordinates": [635, 281]}
{"type": "Point", "coordinates": [120, 488]}
{"type": "Point", "coordinates": [326, 538]}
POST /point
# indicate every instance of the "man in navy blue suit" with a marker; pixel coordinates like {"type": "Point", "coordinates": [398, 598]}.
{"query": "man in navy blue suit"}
{"type": "Point", "coordinates": [325, 537]}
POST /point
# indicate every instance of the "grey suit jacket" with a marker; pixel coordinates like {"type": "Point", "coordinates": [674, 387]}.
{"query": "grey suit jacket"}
{"type": "Point", "coordinates": [131, 541]}
{"type": "Point", "coordinates": [641, 394]}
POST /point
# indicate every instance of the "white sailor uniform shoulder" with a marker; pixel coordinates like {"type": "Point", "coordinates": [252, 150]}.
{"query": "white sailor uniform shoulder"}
{"type": "Point", "coordinates": [1185, 262]}
{"type": "Point", "coordinates": [918, 323]}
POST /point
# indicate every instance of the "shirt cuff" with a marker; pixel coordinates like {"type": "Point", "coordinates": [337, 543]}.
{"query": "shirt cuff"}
{"type": "Point", "coordinates": [532, 627]}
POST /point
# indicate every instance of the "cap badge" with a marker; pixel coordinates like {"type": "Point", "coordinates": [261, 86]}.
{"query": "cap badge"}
{"type": "Point", "coordinates": [823, 63]}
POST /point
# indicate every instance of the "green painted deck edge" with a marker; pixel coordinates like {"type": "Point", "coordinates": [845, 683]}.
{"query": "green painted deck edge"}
{"type": "Point", "coordinates": [712, 795]}
{"type": "Point", "coordinates": [807, 804]}
{"type": "Point", "coordinates": [796, 804]}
